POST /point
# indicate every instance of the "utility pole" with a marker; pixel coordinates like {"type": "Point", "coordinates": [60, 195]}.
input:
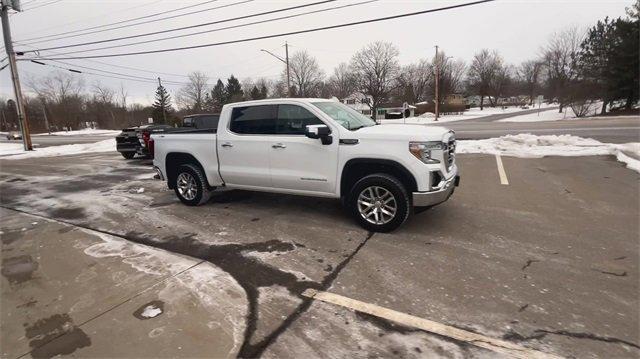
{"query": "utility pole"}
{"type": "Point", "coordinates": [11, 56]}
{"type": "Point", "coordinates": [286, 62]}
{"type": "Point", "coordinates": [164, 114]}
{"type": "Point", "coordinates": [437, 89]}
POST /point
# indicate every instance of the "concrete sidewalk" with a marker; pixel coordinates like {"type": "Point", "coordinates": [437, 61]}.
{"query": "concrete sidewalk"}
{"type": "Point", "coordinates": [66, 291]}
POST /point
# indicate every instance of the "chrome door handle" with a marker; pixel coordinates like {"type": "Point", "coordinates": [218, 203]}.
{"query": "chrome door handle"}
{"type": "Point", "coordinates": [227, 144]}
{"type": "Point", "coordinates": [279, 145]}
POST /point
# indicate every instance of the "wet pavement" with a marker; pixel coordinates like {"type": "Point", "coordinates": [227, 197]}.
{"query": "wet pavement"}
{"type": "Point", "coordinates": [549, 262]}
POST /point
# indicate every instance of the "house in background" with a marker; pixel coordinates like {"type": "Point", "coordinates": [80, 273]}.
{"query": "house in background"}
{"type": "Point", "coordinates": [453, 103]}
{"type": "Point", "coordinates": [359, 102]}
{"type": "Point", "coordinates": [391, 110]}
{"type": "Point", "coordinates": [394, 110]}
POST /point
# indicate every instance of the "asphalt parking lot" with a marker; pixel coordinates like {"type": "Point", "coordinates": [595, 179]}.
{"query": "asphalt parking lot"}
{"type": "Point", "coordinates": [548, 261]}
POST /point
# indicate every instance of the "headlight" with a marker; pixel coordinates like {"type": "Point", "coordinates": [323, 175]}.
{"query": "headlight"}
{"type": "Point", "coordinates": [423, 150]}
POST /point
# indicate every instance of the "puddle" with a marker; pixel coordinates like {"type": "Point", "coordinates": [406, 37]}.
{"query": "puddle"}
{"type": "Point", "coordinates": [55, 335]}
{"type": "Point", "coordinates": [19, 269]}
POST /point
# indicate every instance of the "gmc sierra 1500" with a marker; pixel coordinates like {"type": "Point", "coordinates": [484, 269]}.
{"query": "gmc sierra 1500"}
{"type": "Point", "coordinates": [313, 147]}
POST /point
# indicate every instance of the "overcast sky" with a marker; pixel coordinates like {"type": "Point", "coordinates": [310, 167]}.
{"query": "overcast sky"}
{"type": "Point", "coordinates": [517, 29]}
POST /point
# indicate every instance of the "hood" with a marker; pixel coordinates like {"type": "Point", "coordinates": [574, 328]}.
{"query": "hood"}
{"type": "Point", "coordinates": [403, 132]}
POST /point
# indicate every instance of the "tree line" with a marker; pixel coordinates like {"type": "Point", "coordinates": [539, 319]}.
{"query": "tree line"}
{"type": "Point", "coordinates": [576, 68]}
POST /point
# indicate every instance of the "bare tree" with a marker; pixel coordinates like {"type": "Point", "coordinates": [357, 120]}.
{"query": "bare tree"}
{"type": "Point", "coordinates": [529, 74]}
{"type": "Point", "coordinates": [123, 96]}
{"type": "Point", "coordinates": [559, 58]}
{"type": "Point", "coordinates": [501, 82]}
{"type": "Point", "coordinates": [451, 76]}
{"type": "Point", "coordinates": [63, 93]}
{"type": "Point", "coordinates": [306, 75]}
{"type": "Point", "coordinates": [375, 68]}
{"type": "Point", "coordinates": [192, 96]}
{"type": "Point", "coordinates": [103, 93]}
{"type": "Point", "coordinates": [342, 82]}
{"type": "Point", "coordinates": [414, 81]}
{"type": "Point", "coordinates": [483, 69]}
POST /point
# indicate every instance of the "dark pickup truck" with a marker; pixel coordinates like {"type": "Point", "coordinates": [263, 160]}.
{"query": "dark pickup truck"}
{"type": "Point", "coordinates": [136, 140]}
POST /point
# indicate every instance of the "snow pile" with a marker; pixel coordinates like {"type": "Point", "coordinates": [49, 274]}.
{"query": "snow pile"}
{"type": "Point", "coordinates": [151, 311]}
{"type": "Point", "coordinates": [526, 145]}
{"type": "Point", "coordinates": [13, 151]}
{"type": "Point", "coordinates": [86, 131]}
{"type": "Point", "coordinates": [10, 148]}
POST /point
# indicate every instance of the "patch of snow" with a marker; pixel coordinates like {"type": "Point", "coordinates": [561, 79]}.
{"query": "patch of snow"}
{"type": "Point", "coordinates": [526, 145]}
{"type": "Point", "coordinates": [151, 311]}
{"type": "Point", "coordinates": [140, 190]}
{"type": "Point", "coordinates": [86, 131]}
{"type": "Point", "coordinates": [566, 115]}
{"type": "Point", "coordinates": [12, 151]}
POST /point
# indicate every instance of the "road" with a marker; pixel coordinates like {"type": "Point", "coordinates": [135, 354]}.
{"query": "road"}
{"type": "Point", "coordinates": [91, 242]}
{"type": "Point", "coordinates": [613, 130]}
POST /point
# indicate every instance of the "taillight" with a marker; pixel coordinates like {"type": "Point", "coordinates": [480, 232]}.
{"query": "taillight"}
{"type": "Point", "coordinates": [150, 146]}
{"type": "Point", "coordinates": [146, 136]}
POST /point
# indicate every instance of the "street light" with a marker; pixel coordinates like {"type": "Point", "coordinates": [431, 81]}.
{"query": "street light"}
{"type": "Point", "coordinates": [286, 62]}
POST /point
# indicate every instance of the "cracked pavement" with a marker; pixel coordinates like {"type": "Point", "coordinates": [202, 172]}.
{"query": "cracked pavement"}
{"type": "Point", "coordinates": [549, 262]}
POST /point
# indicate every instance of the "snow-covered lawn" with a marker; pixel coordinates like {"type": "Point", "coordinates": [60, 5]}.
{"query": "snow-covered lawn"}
{"type": "Point", "coordinates": [86, 131]}
{"type": "Point", "coordinates": [14, 151]}
{"type": "Point", "coordinates": [470, 114]}
{"type": "Point", "coordinates": [566, 114]}
{"type": "Point", "coordinates": [526, 145]}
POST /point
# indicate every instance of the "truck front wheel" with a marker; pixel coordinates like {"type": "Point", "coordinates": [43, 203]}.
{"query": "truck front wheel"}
{"type": "Point", "coordinates": [379, 202]}
{"type": "Point", "coordinates": [191, 185]}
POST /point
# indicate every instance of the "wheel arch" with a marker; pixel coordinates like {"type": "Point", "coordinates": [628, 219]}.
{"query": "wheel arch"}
{"type": "Point", "coordinates": [357, 168]}
{"type": "Point", "coordinates": [173, 160]}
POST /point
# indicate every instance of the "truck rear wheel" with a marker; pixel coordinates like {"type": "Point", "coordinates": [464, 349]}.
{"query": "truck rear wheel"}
{"type": "Point", "coordinates": [379, 202]}
{"type": "Point", "coordinates": [191, 185]}
{"type": "Point", "coordinates": [128, 155]}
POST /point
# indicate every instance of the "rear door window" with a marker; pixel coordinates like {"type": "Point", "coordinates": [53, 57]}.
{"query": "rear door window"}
{"type": "Point", "coordinates": [254, 120]}
{"type": "Point", "coordinates": [292, 120]}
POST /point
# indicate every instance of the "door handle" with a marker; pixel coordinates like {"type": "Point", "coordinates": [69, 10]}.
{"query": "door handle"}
{"type": "Point", "coordinates": [279, 145]}
{"type": "Point", "coordinates": [227, 144]}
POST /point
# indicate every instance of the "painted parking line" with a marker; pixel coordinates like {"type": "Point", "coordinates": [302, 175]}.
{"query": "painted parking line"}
{"type": "Point", "coordinates": [479, 340]}
{"type": "Point", "coordinates": [501, 171]}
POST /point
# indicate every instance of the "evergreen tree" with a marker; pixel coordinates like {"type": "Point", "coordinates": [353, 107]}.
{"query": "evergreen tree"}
{"type": "Point", "coordinates": [161, 106]}
{"type": "Point", "coordinates": [234, 90]}
{"type": "Point", "coordinates": [609, 58]}
{"type": "Point", "coordinates": [218, 97]}
{"type": "Point", "coordinates": [263, 91]}
{"type": "Point", "coordinates": [255, 93]}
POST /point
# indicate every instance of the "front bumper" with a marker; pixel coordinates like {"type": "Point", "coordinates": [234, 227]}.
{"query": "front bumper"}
{"type": "Point", "coordinates": [425, 199]}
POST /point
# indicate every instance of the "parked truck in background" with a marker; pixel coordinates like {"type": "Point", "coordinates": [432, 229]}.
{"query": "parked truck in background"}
{"type": "Point", "coordinates": [313, 147]}
{"type": "Point", "coordinates": [136, 140]}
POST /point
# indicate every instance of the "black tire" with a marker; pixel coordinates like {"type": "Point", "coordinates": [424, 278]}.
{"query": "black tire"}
{"type": "Point", "coordinates": [390, 184]}
{"type": "Point", "coordinates": [128, 155]}
{"type": "Point", "coordinates": [202, 191]}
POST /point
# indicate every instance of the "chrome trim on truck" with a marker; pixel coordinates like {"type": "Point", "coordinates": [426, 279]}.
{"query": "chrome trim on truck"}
{"type": "Point", "coordinates": [424, 199]}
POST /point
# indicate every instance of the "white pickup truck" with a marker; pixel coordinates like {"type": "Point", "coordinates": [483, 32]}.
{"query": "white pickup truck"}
{"type": "Point", "coordinates": [313, 147]}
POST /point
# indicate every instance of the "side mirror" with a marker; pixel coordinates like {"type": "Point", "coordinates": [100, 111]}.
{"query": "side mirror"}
{"type": "Point", "coordinates": [319, 131]}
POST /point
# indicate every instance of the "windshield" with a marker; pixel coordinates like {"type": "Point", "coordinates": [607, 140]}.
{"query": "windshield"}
{"type": "Point", "coordinates": [344, 115]}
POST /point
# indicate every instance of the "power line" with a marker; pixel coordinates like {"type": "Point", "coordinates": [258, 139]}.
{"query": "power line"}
{"type": "Point", "coordinates": [42, 5]}
{"type": "Point", "coordinates": [386, 18]}
{"type": "Point", "coordinates": [145, 22]}
{"type": "Point", "coordinates": [120, 22]}
{"type": "Point", "coordinates": [121, 77]}
{"type": "Point", "coordinates": [222, 28]}
{"type": "Point", "coordinates": [85, 19]}
{"type": "Point", "coordinates": [183, 28]}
